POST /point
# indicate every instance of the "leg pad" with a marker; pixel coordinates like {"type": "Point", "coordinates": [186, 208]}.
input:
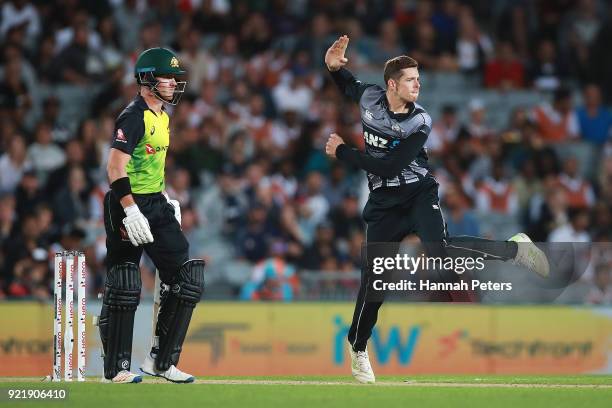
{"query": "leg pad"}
{"type": "Point", "coordinates": [116, 322]}
{"type": "Point", "coordinates": [175, 312]}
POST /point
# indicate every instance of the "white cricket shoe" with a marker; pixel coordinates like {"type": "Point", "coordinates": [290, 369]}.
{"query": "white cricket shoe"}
{"type": "Point", "coordinates": [124, 377]}
{"type": "Point", "coordinates": [172, 374]}
{"type": "Point", "coordinates": [530, 256]}
{"type": "Point", "coordinates": [360, 366]}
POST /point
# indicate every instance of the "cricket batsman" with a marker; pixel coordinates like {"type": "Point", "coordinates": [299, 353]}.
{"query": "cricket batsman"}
{"type": "Point", "coordinates": [403, 193]}
{"type": "Point", "coordinates": [138, 216]}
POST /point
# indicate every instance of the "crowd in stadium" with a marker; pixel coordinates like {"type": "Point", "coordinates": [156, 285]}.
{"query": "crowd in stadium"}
{"type": "Point", "coordinates": [246, 159]}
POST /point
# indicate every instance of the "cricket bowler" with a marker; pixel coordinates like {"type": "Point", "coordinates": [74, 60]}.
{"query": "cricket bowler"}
{"type": "Point", "coordinates": [403, 193]}
{"type": "Point", "coordinates": [138, 216]}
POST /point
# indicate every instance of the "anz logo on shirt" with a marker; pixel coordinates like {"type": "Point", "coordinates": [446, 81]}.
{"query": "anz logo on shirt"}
{"type": "Point", "coordinates": [379, 141]}
{"type": "Point", "coordinates": [152, 150]}
{"type": "Point", "coordinates": [374, 140]}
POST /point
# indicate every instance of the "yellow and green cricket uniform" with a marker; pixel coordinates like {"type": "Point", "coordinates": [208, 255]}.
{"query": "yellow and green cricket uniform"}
{"type": "Point", "coordinates": [144, 135]}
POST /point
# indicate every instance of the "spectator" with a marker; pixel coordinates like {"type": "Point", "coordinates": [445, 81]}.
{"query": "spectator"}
{"type": "Point", "coordinates": [71, 205]}
{"type": "Point", "coordinates": [346, 218]}
{"type": "Point", "coordinates": [109, 49]}
{"type": "Point", "coordinates": [473, 46]}
{"type": "Point", "coordinates": [514, 27]}
{"type": "Point", "coordinates": [496, 194]}
{"type": "Point", "coordinates": [605, 179]}
{"type": "Point", "coordinates": [601, 291]}
{"type": "Point", "coordinates": [476, 126]}
{"type": "Point", "coordinates": [212, 17]}
{"type": "Point", "coordinates": [594, 119]}
{"type": "Point", "coordinates": [330, 285]}
{"type": "Point", "coordinates": [600, 61]}
{"type": "Point", "coordinates": [222, 207]}
{"type": "Point", "coordinates": [362, 45]}
{"type": "Point", "coordinates": [45, 155]}
{"type": "Point", "coordinates": [20, 13]}
{"type": "Point", "coordinates": [578, 191]}
{"type": "Point", "coordinates": [601, 225]}
{"type": "Point", "coordinates": [7, 219]}
{"type": "Point", "coordinates": [229, 54]}
{"type": "Point", "coordinates": [575, 230]}
{"type": "Point", "coordinates": [322, 248]}
{"type": "Point", "coordinates": [20, 246]}
{"type": "Point", "coordinates": [518, 121]}
{"type": "Point", "coordinates": [584, 24]}
{"type": "Point", "coordinates": [353, 252]}
{"type": "Point", "coordinates": [315, 201]}
{"type": "Point", "coordinates": [318, 39]}
{"type": "Point", "coordinates": [71, 238]}
{"type": "Point", "coordinates": [388, 45]}
{"type": "Point", "coordinates": [197, 61]}
{"type": "Point", "coordinates": [77, 64]}
{"type": "Point", "coordinates": [460, 221]}
{"type": "Point", "coordinates": [545, 158]}
{"type": "Point", "coordinates": [255, 237]}
{"type": "Point", "coordinates": [238, 107]}
{"type": "Point", "coordinates": [48, 229]}
{"type": "Point", "coordinates": [255, 35]}
{"type": "Point", "coordinates": [578, 33]}
{"type": "Point", "coordinates": [28, 194]}
{"type": "Point", "coordinates": [557, 122]}
{"type": "Point", "coordinates": [255, 181]}
{"type": "Point", "coordinates": [445, 21]}
{"type": "Point", "coordinates": [77, 24]}
{"type": "Point", "coordinates": [425, 48]}
{"type": "Point", "coordinates": [444, 132]}
{"type": "Point", "coordinates": [178, 187]}
{"type": "Point", "coordinates": [201, 158]}
{"type": "Point", "coordinates": [527, 184]}
{"type": "Point", "coordinates": [45, 59]}
{"type": "Point", "coordinates": [13, 164]}
{"type": "Point", "coordinates": [26, 73]}
{"type": "Point", "coordinates": [15, 99]}
{"type": "Point", "coordinates": [51, 115]}
{"type": "Point", "coordinates": [88, 145]}
{"type": "Point", "coordinates": [505, 71]}
{"type": "Point", "coordinates": [271, 279]}
{"type": "Point", "coordinates": [548, 210]}
{"type": "Point", "coordinates": [547, 72]}
{"type": "Point", "coordinates": [293, 94]}
{"type": "Point", "coordinates": [283, 183]}
{"type": "Point", "coordinates": [338, 185]}
{"type": "Point", "coordinates": [31, 276]}
{"type": "Point", "coordinates": [128, 16]}
{"type": "Point", "coordinates": [75, 157]}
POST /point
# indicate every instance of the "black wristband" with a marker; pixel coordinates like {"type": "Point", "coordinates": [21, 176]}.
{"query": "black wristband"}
{"type": "Point", "coordinates": [341, 151]}
{"type": "Point", "coordinates": [121, 187]}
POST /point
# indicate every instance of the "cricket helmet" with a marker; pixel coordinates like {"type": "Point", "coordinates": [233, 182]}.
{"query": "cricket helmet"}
{"type": "Point", "coordinates": [156, 62]}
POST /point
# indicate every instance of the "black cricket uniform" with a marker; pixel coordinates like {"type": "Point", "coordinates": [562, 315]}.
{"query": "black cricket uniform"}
{"type": "Point", "coordinates": [144, 135]}
{"type": "Point", "coordinates": [403, 193]}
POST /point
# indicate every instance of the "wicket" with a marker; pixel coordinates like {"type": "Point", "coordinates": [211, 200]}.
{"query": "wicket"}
{"type": "Point", "coordinates": [65, 263]}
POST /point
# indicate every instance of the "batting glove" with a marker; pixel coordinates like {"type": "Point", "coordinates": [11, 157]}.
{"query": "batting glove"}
{"type": "Point", "coordinates": [137, 226]}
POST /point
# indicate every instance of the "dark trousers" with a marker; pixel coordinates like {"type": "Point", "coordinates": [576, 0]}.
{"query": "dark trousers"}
{"type": "Point", "coordinates": [170, 248]}
{"type": "Point", "coordinates": [393, 213]}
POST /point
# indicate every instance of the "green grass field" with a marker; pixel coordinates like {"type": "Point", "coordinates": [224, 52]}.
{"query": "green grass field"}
{"type": "Point", "coordinates": [293, 392]}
